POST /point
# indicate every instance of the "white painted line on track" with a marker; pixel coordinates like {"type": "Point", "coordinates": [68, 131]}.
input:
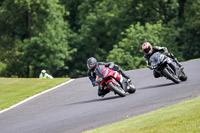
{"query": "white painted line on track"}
{"type": "Point", "coordinates": [28, 99]}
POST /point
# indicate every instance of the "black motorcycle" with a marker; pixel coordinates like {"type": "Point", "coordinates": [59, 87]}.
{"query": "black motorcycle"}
{"type": "Point", "coordinates": [166, 67]}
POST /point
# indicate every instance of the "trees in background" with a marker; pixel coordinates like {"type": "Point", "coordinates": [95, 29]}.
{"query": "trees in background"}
{"type": "Point", "coordinates": [190, 35]}
{"type": "Point", "coordinates": [128, 52]}
{"type": "Point", "coordinates": [60, 35]}
{"type": "Point", "coordinates": [34, 36]}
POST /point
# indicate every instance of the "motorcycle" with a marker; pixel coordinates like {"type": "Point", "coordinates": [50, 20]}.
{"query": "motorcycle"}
{"type": "Point", "coordinates": [166, 67]}
{"type": "Point", "coordinates": [113, 81]}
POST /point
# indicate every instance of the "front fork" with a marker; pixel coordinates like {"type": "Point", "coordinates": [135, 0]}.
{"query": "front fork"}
{"type": "Point", "coordinates": [122, 80]}
{"type": "Point", "coordinates": [175, 68]}
{"type": "Point", "coordinates": [122, 83]}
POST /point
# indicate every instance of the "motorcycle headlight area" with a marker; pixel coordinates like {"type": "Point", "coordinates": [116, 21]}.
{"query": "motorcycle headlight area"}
{"type": "Point", "coordinates": [105, 73]}
{"type": "Point", "coordinates": [168, 60]}
{"type": "Point", "coordinates": [98, 79]}
{"type": "Point", "coordinates": [162, 57]}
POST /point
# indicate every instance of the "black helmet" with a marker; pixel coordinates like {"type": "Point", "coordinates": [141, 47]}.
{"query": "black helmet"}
{"type": "Point", "coordinates": [91, 63]}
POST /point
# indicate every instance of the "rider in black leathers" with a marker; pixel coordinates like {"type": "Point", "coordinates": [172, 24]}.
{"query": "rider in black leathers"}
{"type": "Point", "coordinates": [92, 64]}
{"type": "Point", "coordinates": [149, 50]}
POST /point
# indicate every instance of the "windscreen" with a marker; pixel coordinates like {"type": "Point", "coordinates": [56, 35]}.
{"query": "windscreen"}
{"type": "Point", "coordinates": [99, 70]}
{"type": "Point", "coordinates": [154, 59]}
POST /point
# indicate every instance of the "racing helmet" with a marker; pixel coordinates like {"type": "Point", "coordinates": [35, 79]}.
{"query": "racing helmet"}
{"type": "Point", "coordinates": [91, 63]}
{"type": "Point", "coordinates": [147, 48]}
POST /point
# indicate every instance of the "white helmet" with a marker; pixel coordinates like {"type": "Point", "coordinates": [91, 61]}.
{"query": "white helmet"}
{"type": "Point", "coordinates": [43, 71]}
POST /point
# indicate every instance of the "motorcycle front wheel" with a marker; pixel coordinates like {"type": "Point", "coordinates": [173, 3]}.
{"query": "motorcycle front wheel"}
{"type": "Point", "coordinates": [117, 89]}
{"type": "Point", "coordinates": [170, 74]}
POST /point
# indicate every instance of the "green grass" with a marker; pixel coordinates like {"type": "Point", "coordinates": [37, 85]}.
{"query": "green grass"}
{"type": "Point", "coordinates": [180, 118]}
{"type": "Point", "coordinates": [14, 90]}
{"type": "Point", "coordinates": [194, 59]}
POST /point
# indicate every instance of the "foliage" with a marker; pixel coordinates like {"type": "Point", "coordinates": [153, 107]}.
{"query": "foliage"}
{"type": "Point", "coordinates": [101, 24]}
{"type": "Point", "coordinates": [42, 44]}
{"type": "Point", "coordinates": [60, 35]}
{"type": "Point", "coordinates": [191, 29]}
{"type": "Point", "coordinates": [128, 53]}
{"type": "Point", "coordinates": [2, 66]}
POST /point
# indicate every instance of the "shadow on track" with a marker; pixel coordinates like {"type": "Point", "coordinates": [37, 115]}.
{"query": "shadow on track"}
{"type": "Point", "coordinates": [95, 100]}
{"type": "Point", "coordinates": [156, 86]}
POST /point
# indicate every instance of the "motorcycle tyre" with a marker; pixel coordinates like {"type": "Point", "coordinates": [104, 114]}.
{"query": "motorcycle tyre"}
{"type": "Point", "coordinates": [168, 75]}
{"type": "Point", "coordinates": [131, 90]}
{"type": "Point", "coordinates": [116, 89]}
{"type": "Point", "coordinates": [183, 76]}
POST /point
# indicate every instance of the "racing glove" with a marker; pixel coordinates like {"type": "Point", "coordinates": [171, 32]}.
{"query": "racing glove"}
{"type": "Point", "coordinates": [151, 68]}
{"type": "Point", "coordinates": [165, 50]}
{"type": "Point", "coordinates": [116, 66]}
{"type": "Point", "coordinates": [111, 65]}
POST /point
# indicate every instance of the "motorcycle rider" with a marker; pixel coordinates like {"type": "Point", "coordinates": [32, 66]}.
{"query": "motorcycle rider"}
{"type": "Point", "coordinates": [149, 50]}
{"type": "Point", "coordinates": [92, 64]}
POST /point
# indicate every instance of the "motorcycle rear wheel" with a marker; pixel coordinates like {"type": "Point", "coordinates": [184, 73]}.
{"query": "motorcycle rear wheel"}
{"type": "Point", "coordinates": [118, 90]}
{"type": "Point", "coordinates": [183, 76]}
{"type": "Point", "coordinates": [131, 90]}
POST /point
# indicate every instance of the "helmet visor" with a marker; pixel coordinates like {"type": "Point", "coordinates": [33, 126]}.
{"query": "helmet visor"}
{"type": "Point", "coordinates": [147, 50]}
{"type": "Point", "coordinates": [90, 66]}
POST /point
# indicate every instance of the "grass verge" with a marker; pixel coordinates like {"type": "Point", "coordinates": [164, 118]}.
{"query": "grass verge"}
{"type": "Point", "coordinates": [179, 118]}
{"type": "Point", "coordinates": [14, 90]}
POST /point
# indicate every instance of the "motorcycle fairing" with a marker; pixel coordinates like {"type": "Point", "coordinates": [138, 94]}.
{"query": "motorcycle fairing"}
{"type": "Point", "coordinates": [160, 59]}
{"type": "Point", "coordinates": [103, 73]}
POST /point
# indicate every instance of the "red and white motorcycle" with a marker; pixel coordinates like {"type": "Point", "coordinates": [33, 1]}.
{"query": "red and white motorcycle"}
{"type": "Point", "coordinates": [113, 81]}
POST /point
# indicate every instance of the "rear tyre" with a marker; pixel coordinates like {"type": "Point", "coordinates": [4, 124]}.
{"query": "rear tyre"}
{"type": "Point", "coordinates": [118, 90]}
{"type": "Point", "coordinates": [131, 89]}
{"type": "Point", "coordinates": [169, 73]}
{"type": "Point", "coordinates": [183, 76]}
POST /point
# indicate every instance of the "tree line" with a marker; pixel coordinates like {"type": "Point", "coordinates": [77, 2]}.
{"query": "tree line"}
{"type": "Point", "coordinates": [60, 35]}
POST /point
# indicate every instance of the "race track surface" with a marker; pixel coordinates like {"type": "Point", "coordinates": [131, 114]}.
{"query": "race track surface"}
{"type": "Point", "coordinates": [75, 107]}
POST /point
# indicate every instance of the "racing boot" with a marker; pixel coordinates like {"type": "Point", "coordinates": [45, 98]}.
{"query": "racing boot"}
{"type": "Point", "coordinates": [102, 91]}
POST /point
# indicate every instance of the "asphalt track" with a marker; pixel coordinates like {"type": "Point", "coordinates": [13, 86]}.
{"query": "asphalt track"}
{"type": "Point", "coordinates": [75, 107]}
